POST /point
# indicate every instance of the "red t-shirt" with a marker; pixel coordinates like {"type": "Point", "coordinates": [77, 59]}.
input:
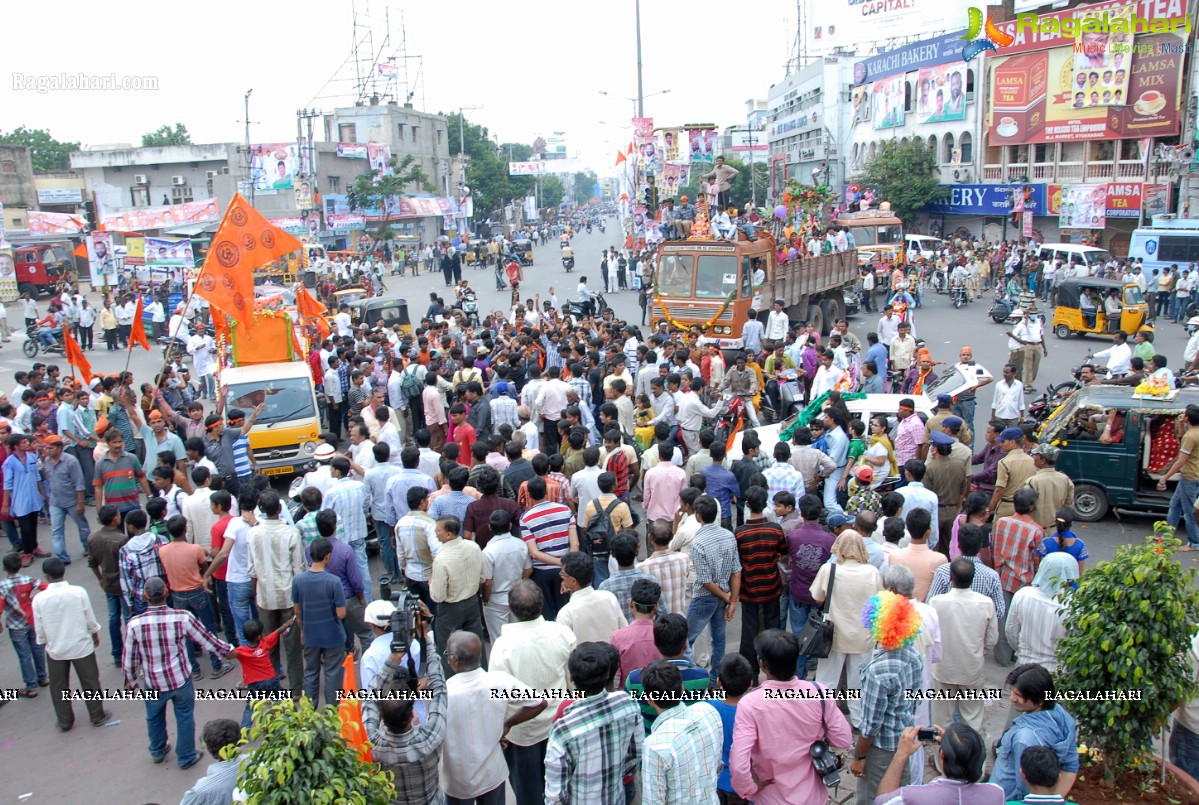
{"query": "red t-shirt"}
{"type": "Point", "coordinates": [218, 539]}
{"type": "Point", "coordinates": [256, 660]}
{"type": "Point", "coordinates": [465, 437]}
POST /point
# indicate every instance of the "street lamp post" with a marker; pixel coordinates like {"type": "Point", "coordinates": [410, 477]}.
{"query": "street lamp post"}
{"type": "Point", "coordinates": [640, 93]}
{"type": "Point", "coordinates": [639, 101]}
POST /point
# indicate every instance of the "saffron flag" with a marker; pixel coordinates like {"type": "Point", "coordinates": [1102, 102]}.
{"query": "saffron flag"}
{"type": "Point", "coordinates": [350, 710]}
{"type": "Point", "coordinates": [243, 242]}
{"type": "Point", "coordinates": [75, 355]}
{"type": "Point", "coordinates": [620, 157]}
{"type": "Point", "coordinates": [312, 312]}
{"type": "Point", "coordinates": [137, 335]}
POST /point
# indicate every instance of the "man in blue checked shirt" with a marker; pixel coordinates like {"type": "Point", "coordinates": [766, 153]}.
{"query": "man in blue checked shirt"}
{"type": "Point", "coordinates": [350, 500]}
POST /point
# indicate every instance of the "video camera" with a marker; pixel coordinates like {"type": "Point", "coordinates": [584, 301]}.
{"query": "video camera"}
{"type": "Point", "coordinates": [404, 619]}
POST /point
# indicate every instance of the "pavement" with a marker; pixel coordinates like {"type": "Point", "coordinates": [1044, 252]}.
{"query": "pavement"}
{"type": "Point", "coordinates": [113, 760]}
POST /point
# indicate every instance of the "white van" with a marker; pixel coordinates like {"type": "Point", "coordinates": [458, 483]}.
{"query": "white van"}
{"type": "Point", "coordinates": [923, 246]}
{"type": "Point", "coordinates": [1169, 241]}
{"type": "Point", "coordinates": [1093, 258]}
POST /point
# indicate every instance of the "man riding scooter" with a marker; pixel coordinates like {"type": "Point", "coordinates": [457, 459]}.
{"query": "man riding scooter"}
{"type": "Point", "coordinates": [52, 334]}
{"type": "Point", "coordinates": [585, 298]}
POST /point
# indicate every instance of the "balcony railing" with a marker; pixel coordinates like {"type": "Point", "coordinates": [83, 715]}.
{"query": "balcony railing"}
{"type": "Point", "coordinates": [1016, 171]}
{"type": "Point", "coordinates": [1099, 170]}
{"type": "Point", "coordinates": [1069, 171]}
{"type": "Point", "coordinates": [992, 173]}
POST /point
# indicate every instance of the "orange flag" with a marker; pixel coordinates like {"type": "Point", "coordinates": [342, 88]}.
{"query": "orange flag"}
{"type": "Point", "coordinates": [311, 309]}
{"type": "Point", "coordinates": [137, 335]}
{"type": "Point", "coordinates": [350, 710]}
{"type": "Point", "coordinates": [220, 325]}
{"type": "Point", "coordinates": [75, 356]}
{"type": "Point", "coordinates": [620, 157]}
{"type": "Point", "coordinates": [243, 242]}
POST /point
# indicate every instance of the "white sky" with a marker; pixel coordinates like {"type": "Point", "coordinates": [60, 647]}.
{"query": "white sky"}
{"type": "Point", "coordinates": [535, 67]}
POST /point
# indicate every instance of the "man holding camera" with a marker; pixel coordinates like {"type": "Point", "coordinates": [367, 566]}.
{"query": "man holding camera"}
{"type": "Point", "coordinates": [962, 757]}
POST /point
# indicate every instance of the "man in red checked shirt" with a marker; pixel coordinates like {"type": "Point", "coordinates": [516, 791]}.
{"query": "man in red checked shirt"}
{"type": "Point", "coordinates": [617, 463]}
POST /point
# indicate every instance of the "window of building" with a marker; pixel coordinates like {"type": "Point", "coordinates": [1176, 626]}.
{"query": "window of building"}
{"type": "Point", "coordinates": [1103, 150]}
{"type": "Point", "coordinates": [182, 195]}
{"type": "Point", "coordinates": [1129, 150]}
{"type": "Point", "coordinates": [140, 196]}
{"type": "Point", "coordinates": [347, 133]}
{"type": "Point", "coordinates": [1071, 152]}
{"type": "Point", "coordinates": [907, 96]}
{"type": "Point", "coordinates": [334, 184]}
{"type": "Point", "coordinates": [439, 136]}
{"type": "Point", "coordinates": [932, 143]}
{"type": "Point", "coordinates": [1042, 153]}
{"type": "Point", "coordinates": [947, 156]}
{"type": "Point", "coordinates": [966, 145]}
{"type": "Point", "coordinates": [414, 132]}
{"type": "Point", "coordinates": [969, 82]}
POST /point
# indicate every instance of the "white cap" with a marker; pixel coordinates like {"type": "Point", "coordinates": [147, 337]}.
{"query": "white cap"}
{"type": "Point", "coordinates": [325, 452]}
{"type": "Point", "coordinates": [378, 612]}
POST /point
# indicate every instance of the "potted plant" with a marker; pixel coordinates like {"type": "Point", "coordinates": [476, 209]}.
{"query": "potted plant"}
{"type": "Point", "coordinates": [1129, 626]}
{"type": "Point", "coordinates": [301, 757]}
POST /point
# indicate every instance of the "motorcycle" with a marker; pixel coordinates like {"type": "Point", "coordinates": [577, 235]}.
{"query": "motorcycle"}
{"type": "Point", "coordinates": [1001, 311]}
{"type": "Point", "coordinates": [938, 281]}
{"type": "Point", "coordinates": [588, 229]}
{"type": "Point", "coordinates": [470, 308]}
{"type": "Point", "coordinates": [568, 263]}
{"type": "Point", "coordinates": [579, 310]}
{"type": "Point", "coordinates": [958, 294]}
{"type": "Point", "coordinates": [32, 345]}
{"type": "Point", "coordinates": [790, 394]}
{"type": "Point", "coordinates": [730, 418]}
{"type": "Point", "coordinates": [601, 227]}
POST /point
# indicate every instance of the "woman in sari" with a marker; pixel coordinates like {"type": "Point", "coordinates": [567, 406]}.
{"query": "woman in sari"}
{"type": "Point", "coordinates": [880, 455]}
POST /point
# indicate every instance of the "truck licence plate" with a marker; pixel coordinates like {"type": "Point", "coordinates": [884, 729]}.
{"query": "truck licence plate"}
{"type": "Point", "coordinates": [276, 471]}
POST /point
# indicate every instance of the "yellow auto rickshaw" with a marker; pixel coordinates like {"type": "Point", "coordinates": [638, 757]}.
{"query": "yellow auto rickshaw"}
{"type": "Point", "coordinates": [1082, 307]}
{"type": "Point", "coordinates": [382, 313]}
{"type": "Point", "coordinates": [523, 248]}
{"type": "Point", "coordinates": [476, 252]}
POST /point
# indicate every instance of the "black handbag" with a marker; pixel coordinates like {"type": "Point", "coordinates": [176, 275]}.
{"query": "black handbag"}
{"type": "Point", "coordinates": [816, 639]}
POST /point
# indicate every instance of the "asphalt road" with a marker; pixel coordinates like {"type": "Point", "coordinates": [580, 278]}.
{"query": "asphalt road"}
{"type": "Point", "coordinates": [43, 765]}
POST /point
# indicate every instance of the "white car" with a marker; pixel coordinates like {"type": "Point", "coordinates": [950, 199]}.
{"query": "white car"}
{"type": "Point", "coordinates": [953, 382]}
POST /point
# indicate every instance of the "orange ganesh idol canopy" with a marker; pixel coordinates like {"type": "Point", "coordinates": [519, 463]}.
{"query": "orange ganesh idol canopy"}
{"type": "Point", "coordinates": [245, 241]}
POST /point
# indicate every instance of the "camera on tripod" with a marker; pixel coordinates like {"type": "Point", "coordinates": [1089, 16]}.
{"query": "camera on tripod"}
{"type": "Point", "coordinates": [404, 618]}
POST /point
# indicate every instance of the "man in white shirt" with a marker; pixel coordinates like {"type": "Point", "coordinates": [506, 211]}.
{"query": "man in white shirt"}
{"type": "Point", "coordinates": [888, 327]}
{"type": "Point", "coordinates": [777, 324]}
{"type": "Point", "coordinates": [203, 349]}
{"type": "Point", "coordinates": [477, 720]}
{"type": "Point", "coordinates": [969, 629]}
{"type": "Point", "coordinates": [505, 562]}
{"type": "Point", "coordinates": [691, 413]}
{"type": "Point", "coordinates": [1119, 356]}
{"type": "Point", "coordinates": [343, 322]}
{"type": "Point", "coordinates": [1008, 403]}
{"type": "Point", "coordinates": [125, 313]}
{"type": "Point", "coordinates": [66, 626]}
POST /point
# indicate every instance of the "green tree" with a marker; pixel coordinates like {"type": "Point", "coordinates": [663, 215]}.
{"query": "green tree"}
{"type": "Point", "coordinates": [905, 173]}
{"type": "Point", "coordinates": [165, 135]}
{"type": "Point", "coordinates": [552, 191]}
{"type": "Point", "coordinates": [301, 757]}
{"type": "Point", "coordinates": [1129, 628]}
{"type": "Point", "coordinates": [46, 153]}
{"type": "Point", "coordinates": [371, 190]}
{"type": "Point", "coordinates": [584, 186]}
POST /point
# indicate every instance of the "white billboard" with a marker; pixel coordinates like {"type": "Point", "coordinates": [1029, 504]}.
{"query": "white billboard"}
{"type": "Point", "coordinates": [857, 25]}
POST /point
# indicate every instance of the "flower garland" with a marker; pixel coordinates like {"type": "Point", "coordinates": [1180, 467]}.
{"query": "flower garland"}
{"type": "Point", "coordinates": [703, 328]}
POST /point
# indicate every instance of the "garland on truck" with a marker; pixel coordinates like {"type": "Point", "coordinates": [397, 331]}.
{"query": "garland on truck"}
{"type": "Point", "coordinates": [703, 328]}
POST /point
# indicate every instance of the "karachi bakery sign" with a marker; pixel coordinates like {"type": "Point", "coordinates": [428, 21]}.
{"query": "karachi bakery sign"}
{"type": "Point", "coordinates": [1039, 94]}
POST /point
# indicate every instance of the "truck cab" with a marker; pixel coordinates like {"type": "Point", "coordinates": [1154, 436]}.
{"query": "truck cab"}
{"type": "Point", "coordinates": [287, 432]}
{"type": "Point", "coordinates": [39, 268]}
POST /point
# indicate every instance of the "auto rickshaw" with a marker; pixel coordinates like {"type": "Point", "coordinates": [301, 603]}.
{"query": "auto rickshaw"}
{"type": "Point", "coordinates": [382, 313]}
{"type": "Point", "coordinates": [1116, 445]}
{"type": "Point", "coordinates": [1068, 316]}
{"type": "Point", "coordinates": [476, 252]}
{"type": "Point", "coordinates": [523, 249]}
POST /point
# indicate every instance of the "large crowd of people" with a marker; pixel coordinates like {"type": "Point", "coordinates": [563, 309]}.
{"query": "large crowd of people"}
{"type": "Point", "coordinates": [548, 487]}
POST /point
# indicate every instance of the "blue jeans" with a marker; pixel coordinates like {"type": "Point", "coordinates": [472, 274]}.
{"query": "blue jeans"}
{"type": "Point", "coordinates": [241, 601]}
{"type": "Point", "coordinates": [58, 531]}
{"type": "Point", "coordinates": [48, 338]}
{"type": "Point", "coordinates": [784, 606]}
{"type": "Point", "coordinates": [1184, 749]}
{"type": "Point", "coordinates": [387, 549]}
{"type": "Point", "coordinates": [10, 529]}
{"type": "Point", "coordinates": [830, 491]}
{"type": "Point", "coordinates": [272, 684]}
{"type": "Point", "coordinates": [31, 656]}
{"type": "Point", "coordinates": [197, 603]}
{"type": "Point", "coordinates": [964, 409]}
{"type": "Point", "coordinates": [708, 611]}
{"type": "Point", "coordinates": [799, 619]}
{"type": "Point", "coordinates": [1180, 307]}
{"type": "Point", "coordinates": [601, 572]}
{"type": "Point", "coordinates": [184, 700]}
{"type": "Point", "coordinates": [1182, 509]}
{"type": "Point", "coordinates": [118, 608]}
{"type": "Point", "coordinates": [364, 568]}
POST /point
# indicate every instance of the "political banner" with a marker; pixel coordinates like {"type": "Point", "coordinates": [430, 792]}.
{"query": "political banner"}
{"type": "Point", "coordinates": [639, 215]}
{"type": "Point", "coordinates": [351, 150]}
{"type": "Point", "coordinates": [165, 252]}
{"type": "Point", "coordinates": [379, 155]}
{"type": "Point", "coordinates": [54, 223]}
{"type": "Point", "coordinates": [274, 166]}
{"type": "Point", "coordinates": [101, 259]}
{"type": "Point", "coordinates": [526, 168]}
{"type": "Point", "coordinates": [671, 145]}
{"type": "Point", "coordinates": [8, 271]}
{"type": "Point", "coordinates": [702, 144]}
{"type": "Point", "coordinates": [1102, 59]}
{"type": "Point", "coordinates": [887, 102]}
{"type": "Point", "coordinates": [193, 212]}
{"type": "Point", "coordinates": [305, 199]}
{"type": "Point", "coordinates": [1083, 206]}
{"type": "Point", "coordinates": [648, 149]}
{"type": "Point", "coordinates": [295, 226]}
{"type": "Point", "coordinates": [343, 223]}
{"type": "Point", "coordinates": [941, 93]}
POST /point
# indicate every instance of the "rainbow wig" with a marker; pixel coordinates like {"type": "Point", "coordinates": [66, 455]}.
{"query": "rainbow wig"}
{"type": "Point", "coordinates": [892, 620]}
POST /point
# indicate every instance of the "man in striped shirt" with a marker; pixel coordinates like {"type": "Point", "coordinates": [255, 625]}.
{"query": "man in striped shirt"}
{"type": "Point", "coordinates": [118, 475]}
{"type": "Point", "coordinates": [548, 529]}
{"type": "Point", "coordinates": [761, 544]}
{"type": "Point", "coordinates": [156, 651]}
